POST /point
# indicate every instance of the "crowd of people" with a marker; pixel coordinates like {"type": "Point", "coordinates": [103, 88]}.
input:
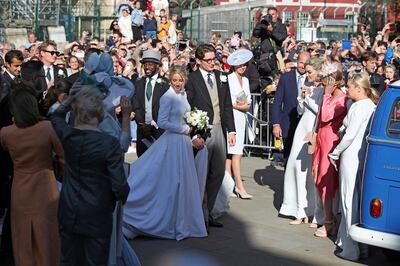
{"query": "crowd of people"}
{"type": "Point", "coordinates": [68, 117]}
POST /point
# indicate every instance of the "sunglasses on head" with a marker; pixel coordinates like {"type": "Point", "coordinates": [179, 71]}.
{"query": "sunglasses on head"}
{"type": "Point", "coordinates": [52, 52]}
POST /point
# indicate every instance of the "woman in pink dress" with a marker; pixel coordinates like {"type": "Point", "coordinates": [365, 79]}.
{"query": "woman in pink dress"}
{"type": "Point", "coordinates": [330, 118]}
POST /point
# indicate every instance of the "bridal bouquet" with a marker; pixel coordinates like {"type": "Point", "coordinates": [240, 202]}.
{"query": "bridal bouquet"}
{"type": "Point", "coordinates": [198, 120]}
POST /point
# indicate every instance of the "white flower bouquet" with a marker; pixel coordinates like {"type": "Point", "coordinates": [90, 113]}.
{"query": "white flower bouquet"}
{"type": "Point", "coordinates": [198, 121]}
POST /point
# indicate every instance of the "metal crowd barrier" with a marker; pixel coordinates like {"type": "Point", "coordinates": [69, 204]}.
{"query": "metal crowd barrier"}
{"type": "Point", "coordinates": [259, 138]}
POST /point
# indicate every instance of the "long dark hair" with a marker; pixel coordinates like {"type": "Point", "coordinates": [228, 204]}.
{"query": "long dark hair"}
{"type": "Point", "coordinates": [24, 105]}
{"type": "Point", "coordinates": [62, 86]}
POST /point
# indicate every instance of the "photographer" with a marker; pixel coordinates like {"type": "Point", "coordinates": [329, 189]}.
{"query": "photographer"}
{"type": "Point", "coordinates": [279, 31]}
{"type": "Point", "coordinates": [265, 53]}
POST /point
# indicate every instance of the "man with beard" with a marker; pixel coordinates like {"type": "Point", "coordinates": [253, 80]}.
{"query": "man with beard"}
{"type": "Point", "coordinates": [146, 101]}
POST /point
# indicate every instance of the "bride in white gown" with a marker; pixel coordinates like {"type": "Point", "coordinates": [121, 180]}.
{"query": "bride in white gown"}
{"type": "Point", "coordinates": [166, 192]}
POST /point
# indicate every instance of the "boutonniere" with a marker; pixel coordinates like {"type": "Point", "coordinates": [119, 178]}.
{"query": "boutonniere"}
{"type": "Point", "coordinates": [60, 73]}
{"type": "Point", "coordinates": [223, 78]}
{"type": "Point", "coordinates": [160, 81]}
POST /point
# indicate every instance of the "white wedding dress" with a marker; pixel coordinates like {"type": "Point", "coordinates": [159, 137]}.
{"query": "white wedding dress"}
{"type": "Point", "coordinates": [166, 190]}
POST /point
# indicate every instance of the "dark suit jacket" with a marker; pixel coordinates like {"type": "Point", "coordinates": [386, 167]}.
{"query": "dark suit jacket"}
{"type": "Point", "coordinates": [138, 106]}
{"type": "Point", "coordinates": [6, 165]}
{"type": "Point", "coordinates": [57, 77]}
{"type": "Point", "coordinates": [377, 82]}
{"type": "Point", "coordinates": [199, 97]}
{"type": "Point", "coordinates": [284, 109]}
{"type": "Point", "coordinates": [94, 179]}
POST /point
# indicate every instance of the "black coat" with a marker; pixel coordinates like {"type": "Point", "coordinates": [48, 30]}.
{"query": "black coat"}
{"type": "Point", "coordinates": [138, 106]}
{"type": "Point", "coordinates": [6, 165]}
{"type": "Point", "coordinates": [57, 77]}
{"type": "Point", "coordinates": [199, 97]}
{"type": "Point", "coordinates": [377, 82]}
{"type": "Point", "coordinates": [94, 180]}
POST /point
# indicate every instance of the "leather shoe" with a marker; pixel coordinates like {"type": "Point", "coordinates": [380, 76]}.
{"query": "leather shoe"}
{"type": "Point", "coordinates": [214, 223]}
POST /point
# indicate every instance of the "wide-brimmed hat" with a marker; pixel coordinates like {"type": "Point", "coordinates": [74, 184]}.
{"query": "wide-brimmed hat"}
{"type": "Point", "coordinates": [151, 56]}
{"type": "Point", "coordinates": [240, 57]}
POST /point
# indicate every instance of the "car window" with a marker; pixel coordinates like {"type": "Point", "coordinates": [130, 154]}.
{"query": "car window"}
{"type": "Point", "coordinates": [393, 129]}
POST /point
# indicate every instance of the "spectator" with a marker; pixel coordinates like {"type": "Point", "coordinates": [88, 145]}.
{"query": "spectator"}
{"type": "Point", "coordinates": [162, 29]}
{"type": "Point", "coordinates": [390, 74]}
{"type": "Point", "coordinates": [125, 25]}
{"type": "Point", "coordinates": [137, 22]}
{"type": "Point", "coordinates": [368, 60]}
{"type": "Point", "coordinates": [279, 32]}
{"type": "Point", "coordinates": [150, 26]}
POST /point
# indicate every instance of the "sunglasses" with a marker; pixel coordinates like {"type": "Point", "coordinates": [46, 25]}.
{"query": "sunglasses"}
{"type": "Point", "coordinates": [52, 52]}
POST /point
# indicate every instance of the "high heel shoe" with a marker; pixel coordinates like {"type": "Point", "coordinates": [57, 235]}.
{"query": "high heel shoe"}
{"type": "Point", "coordinates": [298, 221]}
{"type": "Point", "coordinates": [242, 196]}
{"type": "Point", "coordinates": [329, 228]}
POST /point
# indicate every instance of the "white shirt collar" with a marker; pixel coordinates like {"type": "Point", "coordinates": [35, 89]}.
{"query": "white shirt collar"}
{"type": "Point", "coordinates": [11, 75]}
{"type": "Point", "coordinates": [205, 73]}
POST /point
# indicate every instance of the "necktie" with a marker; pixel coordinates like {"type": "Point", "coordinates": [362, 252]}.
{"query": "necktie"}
{"type": "Point", "coordinates": [149, 90]}
{"type": "Point", "coordinates": [48, 75]}
{"type": "Point", "coordinates": [299, 84]}
{"type": "Point", "coordinates": [209, 80]}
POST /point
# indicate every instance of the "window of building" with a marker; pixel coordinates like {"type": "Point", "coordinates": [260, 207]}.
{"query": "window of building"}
{"type": "Point", "coordinates": [287, 16]}
{"type": "Point", "coordinates": [304, 19]}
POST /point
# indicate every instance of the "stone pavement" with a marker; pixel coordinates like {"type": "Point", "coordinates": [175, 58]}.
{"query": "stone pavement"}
{"type": "Point", "coordinates": [253, 234]}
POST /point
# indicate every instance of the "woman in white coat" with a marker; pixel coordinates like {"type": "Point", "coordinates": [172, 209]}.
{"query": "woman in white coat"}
{"type": "Point", "coordinates": [241, 99]}
{"type": "Point", "coordinates": [299, 189]}
{"type": "Point", "coordinates": [351, 152]}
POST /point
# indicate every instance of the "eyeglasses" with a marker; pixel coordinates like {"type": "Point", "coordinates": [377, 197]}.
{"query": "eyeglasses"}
{"type": "Point", "coordinates": [52, 52]}
{"type": "Point", "coordinates": [208, 61]}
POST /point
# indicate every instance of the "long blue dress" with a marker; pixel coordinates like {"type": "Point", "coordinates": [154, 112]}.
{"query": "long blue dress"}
{"type": "Point", "coordinates": [166, 191]}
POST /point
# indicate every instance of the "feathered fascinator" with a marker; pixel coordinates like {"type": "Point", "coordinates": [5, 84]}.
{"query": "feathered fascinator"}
{"type": "Point", "coordinates": [328, 69]}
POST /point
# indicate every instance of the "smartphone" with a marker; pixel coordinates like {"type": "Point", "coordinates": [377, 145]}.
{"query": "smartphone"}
{"type": "Point", "coordinates": [346, 44]}
{"type": "Point", "coordinates": [320, 51]}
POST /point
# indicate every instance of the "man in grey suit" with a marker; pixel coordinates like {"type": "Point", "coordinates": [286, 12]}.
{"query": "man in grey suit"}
{"type": "Point", "coordinates": [208, 90]}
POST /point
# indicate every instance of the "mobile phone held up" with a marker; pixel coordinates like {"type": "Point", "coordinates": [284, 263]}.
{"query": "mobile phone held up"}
{"type": "Point", "coordinates": [182, 45]}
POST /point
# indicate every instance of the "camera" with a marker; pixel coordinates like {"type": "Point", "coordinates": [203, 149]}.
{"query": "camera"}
{"type": "Point", "coordinates": [267, 19]}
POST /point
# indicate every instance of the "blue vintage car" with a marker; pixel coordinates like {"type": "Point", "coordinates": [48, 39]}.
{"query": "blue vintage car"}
{"type": "Point", "coordinates": [380, 200]}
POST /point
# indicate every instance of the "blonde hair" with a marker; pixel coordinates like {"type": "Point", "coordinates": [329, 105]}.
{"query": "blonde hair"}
{"type": "Point", "coordinates": [361, 80]}
{"type": "Point", "coordinates": [180, 70]}
{"type": "Point", "coordinates": [316, 63]}
{"type": "Point", "coordinates": [88, 106]}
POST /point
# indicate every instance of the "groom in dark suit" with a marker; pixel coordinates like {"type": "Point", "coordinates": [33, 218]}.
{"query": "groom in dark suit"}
{"type": "Point", "coordinates": [146, 100]}
{"type": "Point", "coordinates": [284, 110]}
{"type": "Point", "coordinates": [208, 90]}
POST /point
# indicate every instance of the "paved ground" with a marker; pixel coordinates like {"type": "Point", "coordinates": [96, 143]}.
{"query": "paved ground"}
{"type": "Point", "coordinates": [253, 233]}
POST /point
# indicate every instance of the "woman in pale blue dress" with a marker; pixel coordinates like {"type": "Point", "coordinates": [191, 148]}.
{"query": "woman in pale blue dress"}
{"type": "Point", "coordinates": [166, 196]}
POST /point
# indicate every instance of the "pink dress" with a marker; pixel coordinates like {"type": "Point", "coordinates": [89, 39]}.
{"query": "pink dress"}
{"type": "Point", "coordinates": [331, 116]}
